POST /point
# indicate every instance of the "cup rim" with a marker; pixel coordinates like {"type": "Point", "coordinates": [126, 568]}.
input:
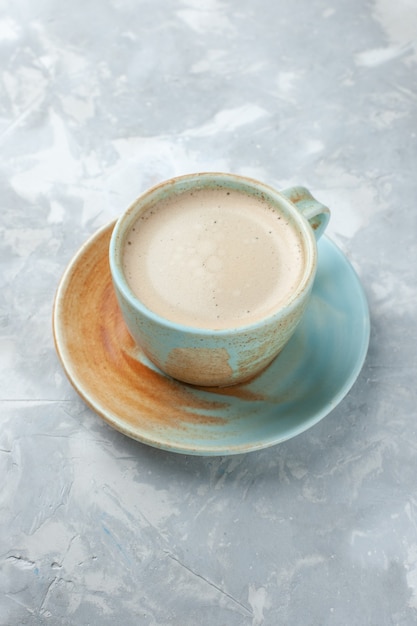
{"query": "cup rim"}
{"type": "Point", "coordinates": [218, 179]}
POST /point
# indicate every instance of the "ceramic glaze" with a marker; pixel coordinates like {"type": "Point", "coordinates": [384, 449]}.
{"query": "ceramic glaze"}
{"type": "Point", "coordinates": [113, 375]}
{"type": "Point", "coordinates": [226, 356]}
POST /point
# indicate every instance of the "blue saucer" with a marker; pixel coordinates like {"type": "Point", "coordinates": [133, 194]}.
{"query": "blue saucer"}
{"type": "Point", "coordinates": [306, 381]}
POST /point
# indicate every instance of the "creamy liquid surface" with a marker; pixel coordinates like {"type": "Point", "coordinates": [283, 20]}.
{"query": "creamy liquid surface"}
{"type": "Point", "coordinates": [213, 259]}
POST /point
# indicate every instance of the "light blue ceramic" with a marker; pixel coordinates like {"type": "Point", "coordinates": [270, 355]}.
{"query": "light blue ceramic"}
{"type": "Point", "coordinates": [303, 384]}
{"type": "Point", "coordinates": [228, 356]}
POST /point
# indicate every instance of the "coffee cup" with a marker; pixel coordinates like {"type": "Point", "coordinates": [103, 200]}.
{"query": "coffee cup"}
{"type": "Point", "coordinates": [213, 273]}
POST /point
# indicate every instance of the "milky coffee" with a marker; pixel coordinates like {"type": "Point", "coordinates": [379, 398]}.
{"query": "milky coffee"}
{"type": "Point", "coordinates": [213, 258]}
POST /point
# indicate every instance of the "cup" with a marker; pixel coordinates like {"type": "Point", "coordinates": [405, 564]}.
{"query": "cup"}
{"type": "Point", "coordinates": [213, 273]}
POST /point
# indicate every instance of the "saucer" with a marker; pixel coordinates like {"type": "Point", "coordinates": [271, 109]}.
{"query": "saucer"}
{"type": "Point", "coordinates": [305, 382]}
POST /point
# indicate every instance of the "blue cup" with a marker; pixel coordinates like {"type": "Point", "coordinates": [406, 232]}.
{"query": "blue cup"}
{"type": "Point", "coordinates": [227, 356]}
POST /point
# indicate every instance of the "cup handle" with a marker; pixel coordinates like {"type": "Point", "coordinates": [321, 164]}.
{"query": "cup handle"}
{"type": "Point", "coordinates": [316, 213]}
